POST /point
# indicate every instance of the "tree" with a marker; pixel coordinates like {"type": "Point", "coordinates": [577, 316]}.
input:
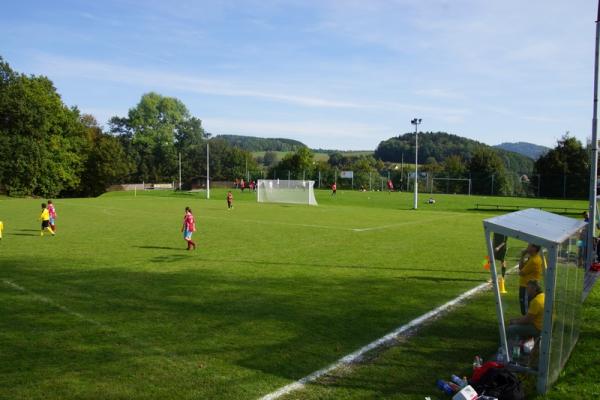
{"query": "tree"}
{"type": "Point", "coordinates": [106, 163]}
{"type": "Point", "coordinates": [454, 167]}
{"type": "Point", "coordinates": [564, 170]}
{"type": "Point", "coordinates": [269, 159]}
{"type": "Point", "coordinates": [43, 143]}
{"type": "Point", "coordinates": [298, 163]}
{"type": "Point", "coordinates": [157, 127]}
{"type": "Point", "coordinates": [483, 165]}
{"type": "Point", "coordinates": [229, 163]}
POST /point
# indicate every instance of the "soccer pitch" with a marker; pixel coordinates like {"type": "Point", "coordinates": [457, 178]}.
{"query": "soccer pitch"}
{"type": "Point", "coordinates": [114, 307]}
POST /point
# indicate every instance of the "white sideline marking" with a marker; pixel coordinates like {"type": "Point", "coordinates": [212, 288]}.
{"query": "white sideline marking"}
{"type": "Point", "coordinates": [358, 354]}
{"type": "Point", "coordinates": [138, 343]}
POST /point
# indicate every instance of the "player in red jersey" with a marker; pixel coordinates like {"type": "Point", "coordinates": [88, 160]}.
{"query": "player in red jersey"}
{"type": "Point", "coordinates": [188, 228]}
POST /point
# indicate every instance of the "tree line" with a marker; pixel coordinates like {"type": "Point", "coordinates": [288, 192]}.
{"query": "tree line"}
{"type": "Point", "coordinates": [252, 143]}
{"type": "Point", "coordinates": [49, 149]}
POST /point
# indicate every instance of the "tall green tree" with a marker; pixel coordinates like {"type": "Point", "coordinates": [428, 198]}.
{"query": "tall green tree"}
{"type": "Point", "coordinates": [42, 141]}
{"type": "Point", "coordinates": [454, 167]}
{"type": "Point", "coordinates": [299, 163]}
{"type": "Point", "coordinates": [269, 159]}
{"type": "Point", "coordinates": [229, 163]}
{"type": "Point", "coordinates": [487, 172]}
{"type": "Point", "coordinates": [106, 164]}
{"type": "Point", "coordinates": [157, 128]}
{"type": "Point", "coordinates": [564, 170]}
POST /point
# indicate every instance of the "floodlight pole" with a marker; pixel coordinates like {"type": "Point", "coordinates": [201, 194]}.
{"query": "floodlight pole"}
{"type": "Point", "coordinates": [416, 122]}
{"type": "Point", "coordinates": [207, 171]}
{"type": "Point", "coordinates": [594, 158]}
{"type": "Point", "coordinates": [180, 171]}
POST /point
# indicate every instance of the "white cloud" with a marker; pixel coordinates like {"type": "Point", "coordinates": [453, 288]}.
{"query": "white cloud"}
{"type": "Point", "coordinates": [439, 93]}
{"type": "Point", "coordinates": [73, 67]}
{"type": "Point", "coordinates": [150, 79]}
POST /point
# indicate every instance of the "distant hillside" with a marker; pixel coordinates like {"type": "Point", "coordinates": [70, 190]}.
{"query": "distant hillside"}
{"type": "Point", "coordinates": [252, 143]}
{"type": "Point", "coordinates": [530, 150]}
{"type": "Point", "coordinates": [437, 146]}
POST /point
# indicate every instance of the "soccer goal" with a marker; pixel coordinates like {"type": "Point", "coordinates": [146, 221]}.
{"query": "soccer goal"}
{"type": "Point", "coordinates": [286, 191]}
{"type": "Point", "coordinates": [450, 185]}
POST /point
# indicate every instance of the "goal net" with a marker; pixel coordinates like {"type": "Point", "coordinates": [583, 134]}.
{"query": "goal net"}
{"type": "Point", "coordinates": [450, 185]}
{"type": "Point", "coordinates": [286, 191]}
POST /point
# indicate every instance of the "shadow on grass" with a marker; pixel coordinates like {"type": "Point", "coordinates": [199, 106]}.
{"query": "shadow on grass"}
{"type": "Point", "coordinates": [410, 369]}
{"type": "Point", "coordinates": [23, 234]}
{"type": "Point", "coordinates": [172, 258]}
{"type": "Point", "coordinates": [269, 322]}
{"type": "Point", "coordinates": [160, 248]}
{"type": "Point", "coordinates": [342, 266]}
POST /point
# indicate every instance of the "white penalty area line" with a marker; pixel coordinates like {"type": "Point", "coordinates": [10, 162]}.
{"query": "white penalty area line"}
{"type": "Point", "coordinates": [46, 300]}
{"type": "Point", "coordinates": [171, 358]}
{"type": "Point", "coordinates": [108, 211]}
{"type": "Point", "coordinates": [359, 354]}
{"type": "Point", "coordinates": [399, 224]}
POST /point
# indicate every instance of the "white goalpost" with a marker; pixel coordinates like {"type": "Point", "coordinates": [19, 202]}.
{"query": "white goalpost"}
{"type": "Point", "coordinates": [440, 184]}
{"type": "Point", "coordinates": [286, 191]}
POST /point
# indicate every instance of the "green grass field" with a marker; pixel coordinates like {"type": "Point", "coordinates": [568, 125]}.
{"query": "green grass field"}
{"type": "Point", "coordinates": [114, 307]}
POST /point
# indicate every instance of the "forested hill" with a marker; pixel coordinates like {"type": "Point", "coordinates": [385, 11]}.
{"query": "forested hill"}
{"type": "Point", "coordinates": [251, 143]}
{"type": "Point", "coordinates": [435, 147]}
{"type": "Point", "coordinates": [530, 150]}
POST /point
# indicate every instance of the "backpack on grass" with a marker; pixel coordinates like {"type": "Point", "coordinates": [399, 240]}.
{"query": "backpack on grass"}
{"type": "Point", "coordinates": [500, 383]}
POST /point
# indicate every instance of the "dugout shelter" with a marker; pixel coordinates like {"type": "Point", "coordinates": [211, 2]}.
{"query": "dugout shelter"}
{"type": "Point", "coordinates": [563, 282]}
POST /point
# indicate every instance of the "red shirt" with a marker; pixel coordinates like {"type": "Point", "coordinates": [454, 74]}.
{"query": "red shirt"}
{"type": "Point", "coordinates": [334, 187]}
{"type": "Point", "coordinates": [189, 223]}
{"type": "Point", "coordinates": [390, 185]}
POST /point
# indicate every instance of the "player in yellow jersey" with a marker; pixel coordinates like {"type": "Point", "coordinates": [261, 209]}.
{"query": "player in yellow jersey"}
{"type": "Point", "coordinates": [531, 267]}
{"type": "Point", "coordinates": [45, 217]}
{"type": "Point", "coordinates": [1, 229]}
{"type": "Point", "coordinates": [532, 323]}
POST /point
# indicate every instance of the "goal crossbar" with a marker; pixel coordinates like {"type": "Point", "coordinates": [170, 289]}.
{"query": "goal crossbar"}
{"type": "Point", "coordinates": [286, 191]}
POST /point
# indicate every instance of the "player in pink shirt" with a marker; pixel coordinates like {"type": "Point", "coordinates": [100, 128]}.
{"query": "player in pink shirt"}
{"type": "Point", "coordinates": [52, 213]}
{"type": "Point", "coordinates": [188, 228]}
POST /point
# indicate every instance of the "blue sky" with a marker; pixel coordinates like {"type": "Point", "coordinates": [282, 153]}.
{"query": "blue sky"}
{"type": "Point", "coordinates": [333, 74]}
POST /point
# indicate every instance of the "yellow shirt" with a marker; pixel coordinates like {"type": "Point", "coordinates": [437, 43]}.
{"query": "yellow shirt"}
{"type": "Point", "coordinates": [536, 310]}
{"type": "Point", "coordinates": [45, 215]}
{"type": "Point", "coordinates": [532, 270]}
